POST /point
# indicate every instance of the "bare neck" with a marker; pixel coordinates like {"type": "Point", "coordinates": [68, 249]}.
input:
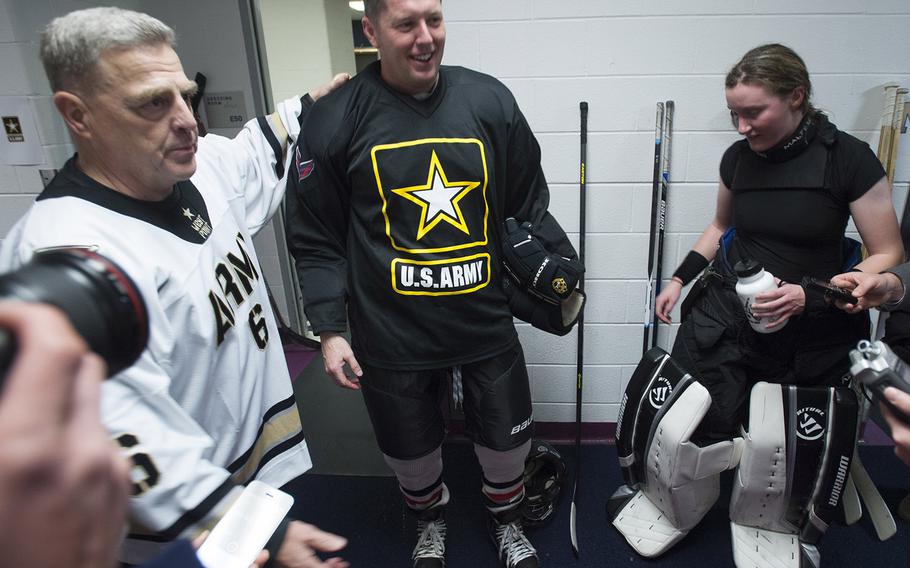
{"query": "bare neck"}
{"type": "Point", "coordinates": [120, 181]}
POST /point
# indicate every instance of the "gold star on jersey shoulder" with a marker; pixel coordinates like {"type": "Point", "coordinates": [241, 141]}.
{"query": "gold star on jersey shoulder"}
{"type": "Point", "coordinates": [438, 199]}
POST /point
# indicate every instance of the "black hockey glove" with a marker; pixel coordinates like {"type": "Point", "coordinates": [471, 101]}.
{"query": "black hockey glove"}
{"type": "Point", "coordinates": [548, 276]}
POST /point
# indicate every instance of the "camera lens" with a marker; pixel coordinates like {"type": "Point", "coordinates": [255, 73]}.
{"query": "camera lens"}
{"type": "Point", "coordinates": [102, 302]}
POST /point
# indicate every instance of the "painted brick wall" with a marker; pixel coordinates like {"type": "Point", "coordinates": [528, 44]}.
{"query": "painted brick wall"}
{"type": "Point", "coordinates": [622, 57]}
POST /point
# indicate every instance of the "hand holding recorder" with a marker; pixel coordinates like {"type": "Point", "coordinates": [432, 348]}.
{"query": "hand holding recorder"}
{"type": "Point", "coordinates": [870, 290]}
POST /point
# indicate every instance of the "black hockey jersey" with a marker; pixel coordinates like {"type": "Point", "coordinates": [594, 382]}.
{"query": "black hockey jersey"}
{"type": "Point", "coordinates": [395, 207]}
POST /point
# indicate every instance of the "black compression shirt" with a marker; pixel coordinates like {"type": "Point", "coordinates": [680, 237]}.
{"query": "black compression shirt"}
{"type": "Point", "coordinates": [794, 232]}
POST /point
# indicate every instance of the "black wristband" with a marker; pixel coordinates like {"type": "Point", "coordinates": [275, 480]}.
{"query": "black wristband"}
{"type": "Point", "coordinates": [815, 299]}
{"type": "Point", "coordinates": [275, 542]}
{"type": "Point", "coordinates": [691, 267]}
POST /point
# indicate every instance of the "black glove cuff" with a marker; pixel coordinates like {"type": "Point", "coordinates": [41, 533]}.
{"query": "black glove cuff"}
{"type": "Point", "coordinates": [815, 299]}
{"type": "Point", "coordinates": [691, 267]}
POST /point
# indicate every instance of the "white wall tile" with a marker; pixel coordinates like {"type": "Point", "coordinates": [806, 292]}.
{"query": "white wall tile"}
{"type": "Point", "coordinates": [29, 179]}
{"type": "Point", "coordinates": [462, 44]}
{"type": "Point", "coordinates": [27, 19]}
{"type": "Point", "coordinates": [556, 383]}
{"type": "Point", "coordinates": [9, 182]}
{"type": "Point", "coordinates": [11, 208]}
{"type": "Point", "coordinates": [16, 77]}
{"type": "Point", "coordinates": [51, 127]}
{"type": "Point", "coordinates": [484, 10]}
{"type": "Point", "coordinates": [7, 34]}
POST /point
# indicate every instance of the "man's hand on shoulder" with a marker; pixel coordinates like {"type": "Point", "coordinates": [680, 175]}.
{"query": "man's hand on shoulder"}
{"type": "Point", "coordinates": [337, 81]}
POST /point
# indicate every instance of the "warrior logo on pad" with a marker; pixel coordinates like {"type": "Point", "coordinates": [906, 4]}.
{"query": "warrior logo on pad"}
{"type": "Point", "coordinates": [810, 423]}
{"type": "Point", "coordinates": [660, 392]}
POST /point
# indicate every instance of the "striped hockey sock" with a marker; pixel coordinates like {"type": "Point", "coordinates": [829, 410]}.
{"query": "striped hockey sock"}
{"type": "Point", "coordinates": [434, 495]}
{"type": "Point", "coordinates": [420, 480]}
{"type": "Point", "coordinates": [505, 496]}
{"type": "Point", "coordinates": [503, 477]}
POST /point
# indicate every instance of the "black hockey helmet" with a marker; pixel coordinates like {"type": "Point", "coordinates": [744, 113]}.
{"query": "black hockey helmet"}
{"type": "Point", "coordinates": [545, 470]}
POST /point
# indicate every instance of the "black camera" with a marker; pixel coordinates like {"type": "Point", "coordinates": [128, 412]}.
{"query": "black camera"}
{"type": "Point", "coordinates": [101, 300]}
{"type": "Point", "coordinates": [877, 367]}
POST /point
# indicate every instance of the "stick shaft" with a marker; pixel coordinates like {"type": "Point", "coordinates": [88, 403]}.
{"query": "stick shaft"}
{"type": "Point", "coordinates": [666, 145]}
{"type": "Point", "coordinates": [896, 118]}
{"type": "Point", "coordinates": [650, 291]}
{"type": "Point", "coordinates": [884, 138]}
{"type": "Point", "coordinates": [579, 364]}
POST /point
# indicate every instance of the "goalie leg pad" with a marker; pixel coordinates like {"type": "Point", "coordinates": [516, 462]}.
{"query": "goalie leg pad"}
{"type": "Point", "coordinates": [652, 383]}
{"type": "Point", "coordinates": [681, 480]}
{"type": "Point", "coordinates": [796, 456]}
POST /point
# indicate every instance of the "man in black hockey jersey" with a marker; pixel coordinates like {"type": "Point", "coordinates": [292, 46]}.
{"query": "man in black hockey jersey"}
{"type": "Point", "coordinates": [395, 204]}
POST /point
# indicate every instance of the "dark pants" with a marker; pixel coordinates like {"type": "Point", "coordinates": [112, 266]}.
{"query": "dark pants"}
{"type": "Point", "coordinates": [716, 344]}
{"type": "Point", "coordinates": [404, 406]}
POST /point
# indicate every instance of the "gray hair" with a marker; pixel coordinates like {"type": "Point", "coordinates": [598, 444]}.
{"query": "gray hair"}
{"type": "Point", "coordinates": [72, 44]}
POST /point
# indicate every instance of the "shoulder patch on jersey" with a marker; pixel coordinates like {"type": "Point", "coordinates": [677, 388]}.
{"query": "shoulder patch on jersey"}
{"type": "Point", "coordinates": [304, 168]}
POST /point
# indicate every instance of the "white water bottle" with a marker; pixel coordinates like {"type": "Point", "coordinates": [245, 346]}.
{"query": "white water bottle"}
{"type": "Point", "coordinates": [751, 280]}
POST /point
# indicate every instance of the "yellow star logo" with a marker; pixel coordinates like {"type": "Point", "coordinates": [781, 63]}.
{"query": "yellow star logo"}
{"type": "Point", "coordinates": [438, 199]}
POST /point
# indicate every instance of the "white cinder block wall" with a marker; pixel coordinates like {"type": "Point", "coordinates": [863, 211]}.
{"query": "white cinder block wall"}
{"type": "Point", "coordinates": [622, 57]}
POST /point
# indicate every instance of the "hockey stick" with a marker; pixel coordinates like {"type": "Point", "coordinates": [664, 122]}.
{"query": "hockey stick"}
{"type": "Point", "coordinates": [650, 291]}
{"type": "Point", "coordinates": [579, 364]}
{"type": "Point", "coordinates": [662, 207]}
{"type": "Point", "coordinates": [884, 137]}
{"type": "Point", "coordinates": [897, 117]}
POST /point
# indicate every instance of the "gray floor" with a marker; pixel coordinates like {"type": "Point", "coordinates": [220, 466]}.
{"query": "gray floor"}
{"type": "Point", "coordinates": [336, 425]}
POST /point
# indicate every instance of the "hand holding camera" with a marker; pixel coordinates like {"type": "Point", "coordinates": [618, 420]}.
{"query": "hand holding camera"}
{"type": "Point", "coordinates": [63, 483]}
{"type": "Point", "coordinates": [876, 367]}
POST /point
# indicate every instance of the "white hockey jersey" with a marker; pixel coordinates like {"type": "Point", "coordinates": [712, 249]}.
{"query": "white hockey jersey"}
{"type": "Point", "coordinates": [209, 405]}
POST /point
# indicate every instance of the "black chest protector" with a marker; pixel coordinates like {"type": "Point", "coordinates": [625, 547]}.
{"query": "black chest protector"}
{"type": "Point", "coordinates": [786, 216]}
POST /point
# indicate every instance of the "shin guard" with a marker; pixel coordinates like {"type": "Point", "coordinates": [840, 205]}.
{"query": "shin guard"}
{"type": "Point", "coordinates": [670, 481]}
{"type": "Point", "coordinates": [796, 458]}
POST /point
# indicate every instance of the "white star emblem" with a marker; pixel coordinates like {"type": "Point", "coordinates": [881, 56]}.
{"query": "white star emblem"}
{"type": "Point", "coordinates": [187, 213]}
{"type": "Point", "coordinates": [438, 199]}
{"type": "Point", "coordinates": [12, 126]}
